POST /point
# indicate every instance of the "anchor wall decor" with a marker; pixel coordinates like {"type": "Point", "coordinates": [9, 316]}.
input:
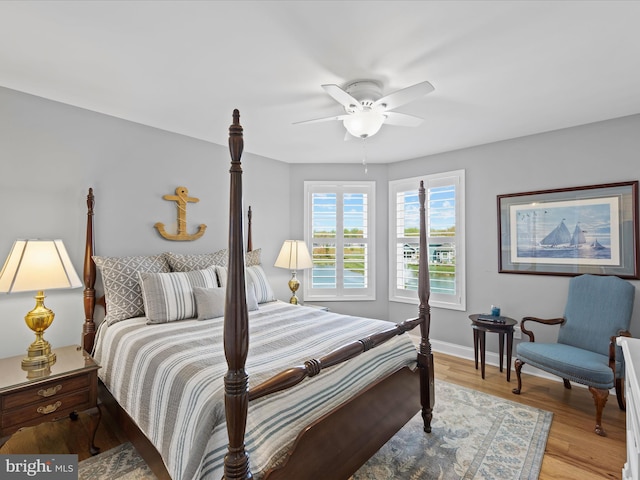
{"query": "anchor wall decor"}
{"type": "Point", "coordinates": [181, 198]}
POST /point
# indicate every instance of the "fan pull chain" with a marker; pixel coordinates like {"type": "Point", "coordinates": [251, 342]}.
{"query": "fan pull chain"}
{"type": "Point", "coordinates": [364, 155]}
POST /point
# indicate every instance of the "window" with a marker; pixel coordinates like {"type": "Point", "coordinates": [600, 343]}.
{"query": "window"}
{"type": "Point", "coordinates": [339, 231]}
{"type": "Point", "coordinates": [445, 236]}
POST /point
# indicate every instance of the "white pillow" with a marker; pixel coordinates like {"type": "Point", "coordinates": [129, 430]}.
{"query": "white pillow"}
{"type": "Point", "coordinates": [258, 278]}
{"type": "Point", "coordinates": [169, 296]}
{"type": "Point", "coordinates": [210, 301]}
{"type": "Point", "coordinates": [252, 301]}
{"type": "Point", "coordinates": [221, 273]}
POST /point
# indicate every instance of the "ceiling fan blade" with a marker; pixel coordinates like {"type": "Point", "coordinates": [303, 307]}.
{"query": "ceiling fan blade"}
{"type": "Point", "coordinates": [402, 119]}
{"type": "Point", "coordinates": [406, 95]}
{"type": "Point", "coordinates": [324, 119]}
{"type": "Point", "coordinates": [342, 97]}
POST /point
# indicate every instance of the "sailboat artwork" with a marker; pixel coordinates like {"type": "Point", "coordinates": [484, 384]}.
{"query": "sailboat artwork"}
{"type": "Point", "coordinates": [561, 238]}
{"type": "Point", "coordinates": [563, 232]}
{"type": "Point", "coordinates": [571, 231]}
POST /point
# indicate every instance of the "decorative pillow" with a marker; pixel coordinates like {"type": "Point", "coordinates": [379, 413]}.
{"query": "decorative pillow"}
{"type": "Point", "coordinates": [221, 273]}
{"type": "Point", "coordinates": [257, 277]}
{"type": "Point", "coordinates": [252, 300]}
{"type": "Point", "coordinates": [252, 258]}
{"type": "Point", "coordinates": [120, 280]}
{"type": "Point", "coordinates": [209, 302]}
{"type": "Point", "coordinates": [189, 262]}
{"type": "Point", "coordinates": [169, 296]}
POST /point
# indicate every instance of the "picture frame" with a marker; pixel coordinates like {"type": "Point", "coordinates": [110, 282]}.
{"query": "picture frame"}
{"type": "Point", "coordinates": [570, 231]}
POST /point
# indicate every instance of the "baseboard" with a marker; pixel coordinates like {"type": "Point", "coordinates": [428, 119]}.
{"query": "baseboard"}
{"type": "Point", "coordinates": [491, 358]}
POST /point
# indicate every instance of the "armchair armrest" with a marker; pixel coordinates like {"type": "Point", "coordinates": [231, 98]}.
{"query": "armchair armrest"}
{"type": "Point", "coordinates": [622, 402]}
{"type": "Point", "coordinates": [612, 349]}
{"type": "Point", "coordinates": [545, 321]}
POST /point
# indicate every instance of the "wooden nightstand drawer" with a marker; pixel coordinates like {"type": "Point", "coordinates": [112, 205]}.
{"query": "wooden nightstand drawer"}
{"type": "Point", "coordinates": [43, 391]}
{"type": "Point", "coordinates": [30, 397]}
{"type": "Point", "coordinates": [47, 409]}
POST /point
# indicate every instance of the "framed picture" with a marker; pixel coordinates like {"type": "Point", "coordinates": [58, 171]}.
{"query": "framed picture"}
{"type": "Point", "coordinates": [570, 231]}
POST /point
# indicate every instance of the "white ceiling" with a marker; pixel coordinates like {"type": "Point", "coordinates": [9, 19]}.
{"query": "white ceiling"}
{"type": "Point", "coordinates": [501, 69]}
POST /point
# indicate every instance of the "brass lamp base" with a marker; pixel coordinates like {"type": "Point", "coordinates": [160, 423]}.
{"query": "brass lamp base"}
{"type": "Point", "coordinates": [38, 372]}
{"type": "Point", "coordinates": [39, 353]}
{"type": "Point", "coordinates": [39, 356]}
{"type": "Point", "coordinates": [294, 284]}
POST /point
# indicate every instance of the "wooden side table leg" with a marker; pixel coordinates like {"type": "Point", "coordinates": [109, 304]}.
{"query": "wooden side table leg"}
{"type": "Point", "coordinates": [475, 346]}
{"type": "Point", "coordinates": [95, 414]}
{"type": "Point", "coordinates": [509, 352]}
{"type": "Point", "coordinates": [501, 348]}
{"type": "Point", "coordinates": [482, 350]}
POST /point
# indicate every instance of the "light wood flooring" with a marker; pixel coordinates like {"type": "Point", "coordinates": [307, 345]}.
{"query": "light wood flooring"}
{"type": "Point", "coordinates": [573, 450]}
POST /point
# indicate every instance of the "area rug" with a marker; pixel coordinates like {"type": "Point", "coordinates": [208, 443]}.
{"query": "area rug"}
{"type": "Point", "coordinates": [121, 462]}
{"type": "Point", "coordinates": [474, 436]}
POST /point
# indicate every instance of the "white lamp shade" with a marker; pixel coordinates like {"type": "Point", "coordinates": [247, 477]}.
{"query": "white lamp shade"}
{"type": "Point", "coordinates": [35, 265]}
{"type": "Point", "coordinates": [363, 124]}
{"type": "Point", "coordinates": [294, 255]}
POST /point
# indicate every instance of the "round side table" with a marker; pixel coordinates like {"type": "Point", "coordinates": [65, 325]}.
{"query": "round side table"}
{"type": "Point", "coordinates": [502, 328]}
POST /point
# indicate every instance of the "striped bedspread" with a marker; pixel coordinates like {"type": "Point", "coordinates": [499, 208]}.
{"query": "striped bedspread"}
{"type": "Point", "coordinates": [169, 378]}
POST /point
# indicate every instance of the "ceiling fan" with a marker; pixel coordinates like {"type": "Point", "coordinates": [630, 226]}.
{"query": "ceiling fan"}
{"type": "Point", "coordinates": [367, 109]}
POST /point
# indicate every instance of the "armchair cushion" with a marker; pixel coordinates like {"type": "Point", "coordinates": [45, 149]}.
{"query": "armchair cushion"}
{"type": "Point", "coordinates": [597, 308]}
{"type": "Point", "coordinates": [574, 364]}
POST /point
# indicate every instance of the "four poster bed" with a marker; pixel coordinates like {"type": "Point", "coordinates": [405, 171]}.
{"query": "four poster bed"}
{"type": "Point", "coordinates": [198, 401]}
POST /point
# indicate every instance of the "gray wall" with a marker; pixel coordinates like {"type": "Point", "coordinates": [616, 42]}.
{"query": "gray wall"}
{"type": "Point", "coordinates": [597, 153]}
{"type": "Point", "coordinates": [51, 153]}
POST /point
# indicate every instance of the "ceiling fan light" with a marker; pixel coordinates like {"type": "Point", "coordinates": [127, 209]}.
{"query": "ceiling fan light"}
{"type": "Point", "coordinates": [364, 124]}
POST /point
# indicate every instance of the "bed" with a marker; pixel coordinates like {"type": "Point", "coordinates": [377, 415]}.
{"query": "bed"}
{"type": "Point", "coordinates": [314, 395]}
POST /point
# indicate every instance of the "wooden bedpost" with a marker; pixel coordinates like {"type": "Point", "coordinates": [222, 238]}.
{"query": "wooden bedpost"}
{"type": "Point", "coordinates": [249, 232]}
{"type": "Point", "coordinates": [236, 321]}
{"type": "Point", "coordinates": [425, 356]}
{"type": "Point", "coordinates": [89, 326]}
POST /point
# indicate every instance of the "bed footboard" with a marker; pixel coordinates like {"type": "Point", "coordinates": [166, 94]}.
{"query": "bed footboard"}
{"type": "Point", "coordinates": [425, 355]}
{"type": "Point", "coordinates": [313, 367]}
{"type": "Point", "coordinates": [338, 444]}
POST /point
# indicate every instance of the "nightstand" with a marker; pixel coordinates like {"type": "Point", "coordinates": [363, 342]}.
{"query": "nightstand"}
{"type": "Point", "coordinates": [69, 386]}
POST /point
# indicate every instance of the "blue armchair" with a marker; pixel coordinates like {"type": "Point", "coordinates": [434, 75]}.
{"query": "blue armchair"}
{"type": "Point", "coordinates": [598, 309]}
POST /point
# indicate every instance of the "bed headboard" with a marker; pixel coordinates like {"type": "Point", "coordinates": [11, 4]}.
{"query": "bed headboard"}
{"type": "Point", "coordinates": [89, 275]}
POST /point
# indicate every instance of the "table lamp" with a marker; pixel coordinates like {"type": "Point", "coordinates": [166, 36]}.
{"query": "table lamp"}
{"type": "Point", "coordinates": [38, 265]}
{"type": "Point", "coordinates": [294, 255]}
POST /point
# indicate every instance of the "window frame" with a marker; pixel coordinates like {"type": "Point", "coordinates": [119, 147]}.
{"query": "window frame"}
{"type": "Point", "coordinates": [340, 293]}
{"type": "Point", "coordinates": [439, 300]}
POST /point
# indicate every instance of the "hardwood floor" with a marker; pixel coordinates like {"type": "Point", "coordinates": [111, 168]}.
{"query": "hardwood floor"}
{"type": "Point", "coordinates": [573, 450]}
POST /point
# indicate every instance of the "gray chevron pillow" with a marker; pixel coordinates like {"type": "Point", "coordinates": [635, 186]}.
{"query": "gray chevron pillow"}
{"type": "Point", "coordinates": [121, 286]}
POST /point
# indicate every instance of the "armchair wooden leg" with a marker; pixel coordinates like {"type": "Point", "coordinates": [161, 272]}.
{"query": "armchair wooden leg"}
{"type": "Point", "coordinates": [567, 384]}
{"type": "Point", "coordinates": [600, 396]}
{"type": "Point", "coordinates": [517, 365]}
{"type": "Point", "coordinates": [622, 403]}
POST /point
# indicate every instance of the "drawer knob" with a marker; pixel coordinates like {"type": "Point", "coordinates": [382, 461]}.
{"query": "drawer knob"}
{"type": "Point", "coordinates": [49, 391]}
{"type": "Point", "coordinates": [49, 408]}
